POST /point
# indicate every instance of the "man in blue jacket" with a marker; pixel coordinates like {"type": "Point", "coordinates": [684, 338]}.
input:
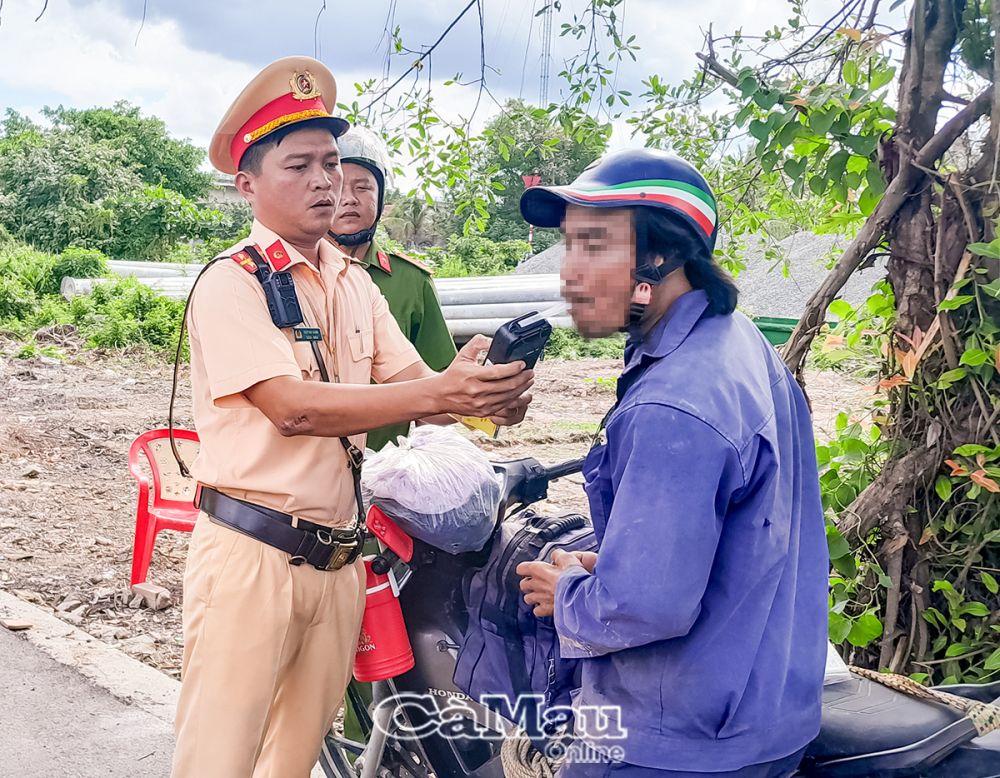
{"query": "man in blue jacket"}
{"type": "Point", "coordinates": [702, 619]}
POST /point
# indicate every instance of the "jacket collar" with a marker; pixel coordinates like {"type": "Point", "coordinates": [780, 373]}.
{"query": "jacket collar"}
{"type": "Point", "coordinates": [280, 251]}
{"type": "Point", "coordinates": [668, 334]}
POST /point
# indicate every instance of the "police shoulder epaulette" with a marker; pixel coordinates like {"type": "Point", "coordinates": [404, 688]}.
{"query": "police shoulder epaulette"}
{"type": "Point", "coordinates": [275, 255]}
{"type": "Point", "coordinates": [244, 260]}
{"type": "Point", "coordinates": [415, 262]}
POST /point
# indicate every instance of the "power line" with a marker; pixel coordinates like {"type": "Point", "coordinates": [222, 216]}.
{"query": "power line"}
{"type": "Point", "coordinates": [422, 57]}
{"type": "Point", "coordinates": [527, 46]}
{"type": "Point", "coordinates": [316, 46]}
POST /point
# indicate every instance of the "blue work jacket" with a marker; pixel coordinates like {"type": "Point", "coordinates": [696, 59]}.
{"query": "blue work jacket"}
{"type": "Point", "coordinates": [704, 622]}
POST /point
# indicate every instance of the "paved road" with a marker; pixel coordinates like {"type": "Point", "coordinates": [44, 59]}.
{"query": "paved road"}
{"type": "Point", "coordinates": [54, 723]}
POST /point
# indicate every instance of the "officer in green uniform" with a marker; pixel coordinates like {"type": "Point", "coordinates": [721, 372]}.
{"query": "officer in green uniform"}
{"type": "Point", "coordinates": [405, 282]}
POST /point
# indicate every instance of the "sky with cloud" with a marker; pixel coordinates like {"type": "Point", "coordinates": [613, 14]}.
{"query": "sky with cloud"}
{"type": "Point", "coordinates": [190, 58]}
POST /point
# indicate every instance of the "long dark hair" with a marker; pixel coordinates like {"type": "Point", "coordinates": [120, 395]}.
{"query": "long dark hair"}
{"type": "Point", "coordinates": [669, 237]}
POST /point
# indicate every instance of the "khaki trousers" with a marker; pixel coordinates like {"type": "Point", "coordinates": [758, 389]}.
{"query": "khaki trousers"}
{"type": "Point", "coordinates": [268, 652]}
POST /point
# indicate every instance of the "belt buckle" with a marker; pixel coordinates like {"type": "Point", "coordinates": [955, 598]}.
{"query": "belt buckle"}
{"type": "Point", "coordinates": [340, 557]}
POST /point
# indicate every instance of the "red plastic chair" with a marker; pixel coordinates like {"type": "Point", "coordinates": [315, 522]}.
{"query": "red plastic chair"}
{"type": "Point", "coordinates": [173, 494]}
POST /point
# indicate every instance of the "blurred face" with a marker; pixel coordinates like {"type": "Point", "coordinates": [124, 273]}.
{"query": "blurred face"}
{"type": "Point", "coordinates": [358, 201]}
{"type": "Point", "coordinates": [597, 271]}
{"type": "Point", "coordinates": [298, 187]}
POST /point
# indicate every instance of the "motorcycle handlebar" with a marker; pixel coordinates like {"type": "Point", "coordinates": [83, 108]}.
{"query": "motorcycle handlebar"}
{"type": "Point", "coordinates": [564, 469]}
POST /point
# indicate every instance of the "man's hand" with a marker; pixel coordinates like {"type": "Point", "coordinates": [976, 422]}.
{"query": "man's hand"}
{"type": "Point", "coordinates": [470, 389]}
{"type": "Point", "coordinates": [514, 414]}
{"type": "Point", "coordinates": [539, 579]}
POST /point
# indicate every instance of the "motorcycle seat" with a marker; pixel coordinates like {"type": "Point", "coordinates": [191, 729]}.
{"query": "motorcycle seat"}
{"type": "Point", "coordinates": [871, 730]}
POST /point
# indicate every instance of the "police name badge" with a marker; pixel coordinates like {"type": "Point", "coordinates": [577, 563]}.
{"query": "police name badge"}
{"type": "Point", "coordinates": [307, 334]}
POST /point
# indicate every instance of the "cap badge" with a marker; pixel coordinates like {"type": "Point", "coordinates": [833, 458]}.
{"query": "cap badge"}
{"type": "Point", "coordinates": [304, 86]}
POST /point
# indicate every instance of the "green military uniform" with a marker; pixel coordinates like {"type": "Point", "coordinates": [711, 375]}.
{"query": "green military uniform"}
{"type": "Point", "coordinates": [413, 301]}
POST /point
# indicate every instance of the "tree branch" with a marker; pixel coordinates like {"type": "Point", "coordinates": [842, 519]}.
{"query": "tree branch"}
{"type": "Point", "coordinates": [896, 195]}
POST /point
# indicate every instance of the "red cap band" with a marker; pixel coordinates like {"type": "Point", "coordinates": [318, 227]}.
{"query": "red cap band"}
{"type": "Point", "coordinates": [285, 110]}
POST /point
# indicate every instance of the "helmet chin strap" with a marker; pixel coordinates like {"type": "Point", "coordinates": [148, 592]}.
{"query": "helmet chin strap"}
{"type": "Point", "coordinates": [355, 238]}
{"type": "Point", "coordinates": [647, 275]}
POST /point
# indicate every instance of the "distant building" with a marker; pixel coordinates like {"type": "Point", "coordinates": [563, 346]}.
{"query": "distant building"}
{"type": "Point", "coordinates": [223, 191]}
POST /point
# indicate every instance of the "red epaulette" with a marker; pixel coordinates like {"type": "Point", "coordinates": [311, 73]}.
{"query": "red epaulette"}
{"type": "Point", "coordinates": [415, 262]}
{"type": "Point", "coordinates": [245, 261]}
{"type": "Point", "coordinates": [275, 254]}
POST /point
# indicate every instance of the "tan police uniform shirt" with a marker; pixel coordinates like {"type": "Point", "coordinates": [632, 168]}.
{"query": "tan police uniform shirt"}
{"type": "Point", "coordinates": [234, 345]}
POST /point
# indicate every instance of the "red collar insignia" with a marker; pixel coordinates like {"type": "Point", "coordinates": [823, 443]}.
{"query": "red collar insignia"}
{"type": "Point", "coordinates": [278, 257]}
{"type": "Point", "coordinates": [383, 261]}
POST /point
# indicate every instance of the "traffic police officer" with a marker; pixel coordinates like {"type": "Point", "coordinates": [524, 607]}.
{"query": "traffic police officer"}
{"type": "Point", "coordinates": [405, 282]}
{"type": "Point", "coordinates": [287, 334]}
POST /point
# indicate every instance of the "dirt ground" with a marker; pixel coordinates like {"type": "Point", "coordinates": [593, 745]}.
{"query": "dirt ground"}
{"type": "Point", "coordinates": [67, 501]}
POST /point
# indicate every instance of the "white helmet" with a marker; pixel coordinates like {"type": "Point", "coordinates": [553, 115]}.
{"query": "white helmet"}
{"type": "Point", "coordinates": [361, 146]}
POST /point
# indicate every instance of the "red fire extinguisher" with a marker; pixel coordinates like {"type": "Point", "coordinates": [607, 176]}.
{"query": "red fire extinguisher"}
{"type": "Point", "coordinates": [384, 649]}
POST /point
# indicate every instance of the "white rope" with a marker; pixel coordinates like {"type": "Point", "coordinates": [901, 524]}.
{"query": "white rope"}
{"type": "Point", "coordinates": [520, 759]}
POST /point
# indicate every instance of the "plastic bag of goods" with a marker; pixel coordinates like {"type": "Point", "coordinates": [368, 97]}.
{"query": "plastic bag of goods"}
{"type": "Point", "coordinates": [437, 486]}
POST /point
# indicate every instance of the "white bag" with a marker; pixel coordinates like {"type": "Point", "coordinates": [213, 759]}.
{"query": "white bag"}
{"type": "Point", "coordinates": [437, 486]}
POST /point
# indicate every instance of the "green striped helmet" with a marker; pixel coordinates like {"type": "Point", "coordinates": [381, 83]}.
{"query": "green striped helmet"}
{"type": "Point", "coordinates": [625, 179]}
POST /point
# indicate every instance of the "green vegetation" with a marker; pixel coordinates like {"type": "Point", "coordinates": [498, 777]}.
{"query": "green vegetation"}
{"type": "Point", "coordinates": [119, 313]}
{"type": "Point", "coordinates": [569, 344]}
{"type": "Point", "coordinates": [107, 179]}
{"type": "Point", "coordinates": [473, 255]}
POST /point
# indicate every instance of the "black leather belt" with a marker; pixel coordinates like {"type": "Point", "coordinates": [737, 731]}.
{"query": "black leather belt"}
{"type": "Point", "coordinates": [322, 547]}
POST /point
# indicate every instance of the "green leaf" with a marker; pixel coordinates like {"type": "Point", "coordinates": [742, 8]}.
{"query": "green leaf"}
{"type": "Point", "coordinates": [943, 487]}
{"type": "Point", "coordinates": [744, 113]}
{"type": "Point", "coordinates": [851, 72]}
{"type": "Point", "coordinates": [841, 309]}
{"type": "Point", "coordinates": [957, 649]}
{"type": "Point", "coordinates": [991, 249]}
{"type": "Point", "coordinates": [838, 164]}
{"type": "Point", "coordinates": [974, 357]}
{"type": "Point", "coordinates": [955, 302]}
{"type": "Point", "coordinates": [993, 661]}
{"type": "Point", "coordinates": [795, 168]}
{"type": "Point", "coordinates": [992, 288]}
{"type": "Point", "coordinates": [748, 85]}
{"type": "Point", "coordinates": [971, 449]}
{"type": "Point", "coordinates": [846, 565]}
{"type": "Point", "coordinates": [821, 121]}
{"type": "Point", "coordinates": [989, 582]}
{"type": "Point", "coordinates": [760, 130]}
{"type": "Point", "coordinates": [863, 145]}
{"type": "Point", "coordinates": [881, 77]}
{"type": "Point", "coordinates": [836, 542]}
{"type": "Point", "coordinates": [817, 185]}
{"type": "Point", "coordinates": [943, 586]}
{"type": "Point", "coordinates": [976, 609]}
{"type": "Point", "coordinates": [788, 134]}
{"type": "Point", "coordinates": [767, 98]}
{"type": "Point", "coordinates": [838, 627]}
{"type": "Point", "coordinates": [864, 630]}
{"type": "Point", "coordinates": [868, 201]}
{"type": "Point", "coordinates": [953, 375]}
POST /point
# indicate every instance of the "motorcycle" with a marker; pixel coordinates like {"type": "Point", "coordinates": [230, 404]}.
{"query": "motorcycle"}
{"type": "Point", "coordinates": [867, 729]}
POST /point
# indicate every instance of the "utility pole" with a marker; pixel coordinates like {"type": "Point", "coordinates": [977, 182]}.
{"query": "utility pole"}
{"type": "Point", "coordinates": [543, 83]}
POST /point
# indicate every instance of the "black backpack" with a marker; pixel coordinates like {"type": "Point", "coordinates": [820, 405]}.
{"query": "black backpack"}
{"type": "Point", "coordinates": [506, 649]}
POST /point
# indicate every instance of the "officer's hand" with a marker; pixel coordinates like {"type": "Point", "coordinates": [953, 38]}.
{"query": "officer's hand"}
{"type": "Point", "coordinates": [514, 414]}
{"type": "Point", "coordinates": [470, 389]}
{"type": "Point", "coordinates": [539, 579]}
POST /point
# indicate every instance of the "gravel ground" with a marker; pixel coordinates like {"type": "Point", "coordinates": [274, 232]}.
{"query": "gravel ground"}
{"type": "Point", "coordinates": [67, 501]}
